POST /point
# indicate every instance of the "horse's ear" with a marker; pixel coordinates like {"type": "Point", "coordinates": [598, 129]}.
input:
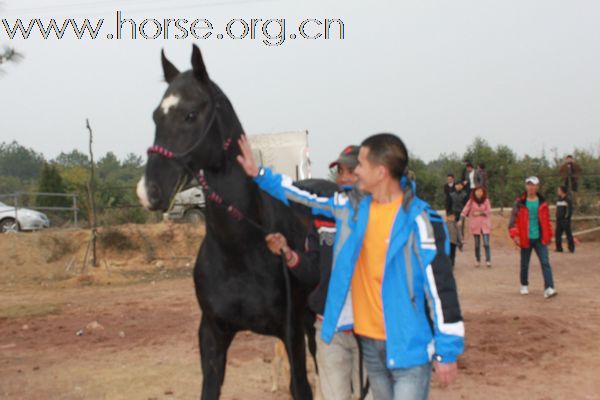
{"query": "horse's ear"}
{"type": "Point", "coordinates": [198, 65]}
{"type": "Point", "coordinates": [169, 70]}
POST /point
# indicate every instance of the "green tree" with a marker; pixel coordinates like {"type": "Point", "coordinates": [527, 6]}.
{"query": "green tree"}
{"type": "Point", "coordinates": [590, 165]}
{"type": "Point", "coordinates": [73, 159]}
{"type": "Point", "coordinates": [19, 167]}
{"type": "Point", "coordinates": [427, 179]}
{"type": "Point", "coordinates": [108, 165]}
{"type": "Point", "coordinates": [132, 160]}
{"type": "Point", "coordinates": [11, 184]}
{"type": "Point", "coordinates": [480, 152]}
{"type": "Point", "coordinates": [504, 187]}
{"type": "Point", "coordinates": [51, 182]}
{"type": "Point", "coordinates": [20, 161]}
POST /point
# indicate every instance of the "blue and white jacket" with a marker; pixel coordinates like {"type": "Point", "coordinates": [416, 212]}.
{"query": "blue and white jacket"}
{"type": "Point", "coordinates": [420, 303]}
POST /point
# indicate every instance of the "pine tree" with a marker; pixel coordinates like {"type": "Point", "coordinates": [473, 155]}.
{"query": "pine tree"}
{"type": "Point", "coordinates": [51, 182]}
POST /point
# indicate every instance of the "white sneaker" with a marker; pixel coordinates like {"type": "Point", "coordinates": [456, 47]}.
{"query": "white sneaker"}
{"type": "Point", "coordinates": [489, 264]}
{"type": "Point", "coordinates": [524, 290]}
{"type": "Point", "coordinates": [477, 264]}
{"type": "Point", "coordinates": [550, 292]}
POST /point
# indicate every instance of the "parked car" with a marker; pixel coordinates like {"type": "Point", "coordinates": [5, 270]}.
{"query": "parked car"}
{"type": "Point", "coordinates": [21, 219]}
{"type": "Point", "coordinates": [188, 206]}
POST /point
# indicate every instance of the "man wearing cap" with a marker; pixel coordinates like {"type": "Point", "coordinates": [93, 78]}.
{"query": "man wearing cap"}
{"type": "Point", "coordinates": [345, 164]}
{"type": "Point", "coordinates": [339, 361]}
{"type": "Point", "coordinates": [530, 228]}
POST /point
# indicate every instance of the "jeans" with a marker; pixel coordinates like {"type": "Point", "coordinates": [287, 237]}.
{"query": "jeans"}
{"type": "Point", "coordinates": [339, 366]}
{"type": "Point", "coordinates": [452, 253]}
{"type": "Point", "coordinates": [542, 253]}
{"type": "Point", "coordinates": [486, 246]}
{"type": "Point", "coordinates": [393, 384]}
{"type": "Point", "coordinates": [564, 226]}
{"type": "Point", "coordinates": [571, 183]}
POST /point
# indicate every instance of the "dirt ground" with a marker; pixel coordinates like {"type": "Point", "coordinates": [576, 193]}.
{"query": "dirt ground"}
{"type": "Point", "coordinates": [137, 319]}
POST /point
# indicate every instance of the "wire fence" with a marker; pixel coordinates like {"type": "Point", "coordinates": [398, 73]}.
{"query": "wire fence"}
{"type": "Point", "coordinates": [19, 202]}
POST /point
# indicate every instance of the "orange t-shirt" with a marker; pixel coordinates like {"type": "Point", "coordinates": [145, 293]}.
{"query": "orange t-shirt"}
{"type": "Point", "coordinates": [368, 274]}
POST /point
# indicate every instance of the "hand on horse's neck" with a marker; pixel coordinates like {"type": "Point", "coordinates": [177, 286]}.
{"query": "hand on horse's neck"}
{"type": "Point", "coordinates": [238, 190]}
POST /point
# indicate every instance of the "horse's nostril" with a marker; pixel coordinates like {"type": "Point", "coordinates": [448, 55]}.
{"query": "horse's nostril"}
{"type": "Point", "coordinates": [153, 193]}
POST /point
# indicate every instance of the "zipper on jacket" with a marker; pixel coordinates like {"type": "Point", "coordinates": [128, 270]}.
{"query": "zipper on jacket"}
{"type": "Point", "coordinates": [409, 269]}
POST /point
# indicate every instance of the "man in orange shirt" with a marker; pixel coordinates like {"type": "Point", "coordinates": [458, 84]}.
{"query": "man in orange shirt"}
{"type": "Point", "coordinates": [392, 276]}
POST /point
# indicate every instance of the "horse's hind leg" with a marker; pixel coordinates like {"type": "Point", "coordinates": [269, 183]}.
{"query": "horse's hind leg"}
{"type": "Point", "coordinates": [311, 338]}
{"type": "Point", "coordinates": [214, 340]}
{"type": "Point", "coordinates": [299, 386]}
{"type": "Point", "coordinates": [311, 333]}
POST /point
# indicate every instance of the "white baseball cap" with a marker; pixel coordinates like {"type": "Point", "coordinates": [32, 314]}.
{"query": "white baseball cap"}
{"type": "Point", "coordinates": [533, 179]}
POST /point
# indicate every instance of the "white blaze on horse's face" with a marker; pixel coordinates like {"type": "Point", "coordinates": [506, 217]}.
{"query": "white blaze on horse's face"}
{"type": "Point", "coordinates": [168, 102]}
{"type": "Point", "coordinates": [142, 193]}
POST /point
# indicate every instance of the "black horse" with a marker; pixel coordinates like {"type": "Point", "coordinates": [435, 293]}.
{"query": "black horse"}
{"type": "Point", "coordinates": [239, 284]}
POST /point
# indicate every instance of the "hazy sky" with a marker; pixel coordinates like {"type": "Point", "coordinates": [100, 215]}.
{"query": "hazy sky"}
{"type": "Point", "coordinates": [522, 73]}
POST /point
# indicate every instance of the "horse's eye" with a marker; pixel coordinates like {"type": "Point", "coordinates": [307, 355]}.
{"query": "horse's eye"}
{"type": "Point", "coordinates": [191, 116]}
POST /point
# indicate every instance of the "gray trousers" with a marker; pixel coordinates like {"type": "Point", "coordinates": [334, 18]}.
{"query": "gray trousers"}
{"type": "Point", "coordinates": [338, 367]}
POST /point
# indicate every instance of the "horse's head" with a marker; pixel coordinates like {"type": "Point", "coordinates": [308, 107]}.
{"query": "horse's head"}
{"type": "Point", "coordinates": [194, 121]}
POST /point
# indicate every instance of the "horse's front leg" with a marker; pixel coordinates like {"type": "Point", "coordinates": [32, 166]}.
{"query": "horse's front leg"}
{"type": "Point", "coordinates": [299, 386]}
{"type": "Point", "coordinates": [215, 339]}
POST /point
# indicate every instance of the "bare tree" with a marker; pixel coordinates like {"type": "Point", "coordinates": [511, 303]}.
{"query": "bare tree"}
{"type": "Point", "coordinates": [92, 209]}
{"type": "Point", "coordinates": [10, 55]}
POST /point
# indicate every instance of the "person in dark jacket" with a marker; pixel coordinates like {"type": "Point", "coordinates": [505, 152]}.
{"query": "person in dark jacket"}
{"type": "Point", "coordinates": [458, 200]}
{"type": "Point", "coordinates": [531, 229]}
{"type": "Point", "coordinates": [339, 361]}
{"type": "Point", "coordinates": [469, 177]}
{"type": "Point", "coordinates": [481, 177]}
{"type": "Point", "coordinates": [564, 211]}
{"type": "Point", "coordinates": [570, 172]}
{"type": "Point", "coordinates": [448, 188]}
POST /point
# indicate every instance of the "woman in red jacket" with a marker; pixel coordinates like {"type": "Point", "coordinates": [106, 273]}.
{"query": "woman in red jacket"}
{"type": "Point", "coordinates": [479, 211]}
{"type": "Point", "coordinates": [530, 228]}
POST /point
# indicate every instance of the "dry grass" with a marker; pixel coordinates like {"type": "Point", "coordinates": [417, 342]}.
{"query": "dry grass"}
{"type": "Point", "coordinates": [58, 247]}
{"type": "Point", "coordinates": [29, 310]}
{"type": "Point", "coordinates": [116, 239]}
{"type": "Point", "coordinates": [167, 236]}
{"type": "Point", "coordinates": [147, 247]}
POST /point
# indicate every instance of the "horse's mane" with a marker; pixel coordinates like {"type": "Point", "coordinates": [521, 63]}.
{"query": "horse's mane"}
{"type": "Point", "coordinates": [320, 187]}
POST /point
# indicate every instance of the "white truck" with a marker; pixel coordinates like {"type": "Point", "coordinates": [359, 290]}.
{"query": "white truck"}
{"type": "Point", "coordinates": [284, 152]}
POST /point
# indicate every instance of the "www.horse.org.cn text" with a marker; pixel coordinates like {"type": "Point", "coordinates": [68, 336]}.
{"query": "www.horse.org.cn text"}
{"type": "Point", "coordinates": [270, 32]}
